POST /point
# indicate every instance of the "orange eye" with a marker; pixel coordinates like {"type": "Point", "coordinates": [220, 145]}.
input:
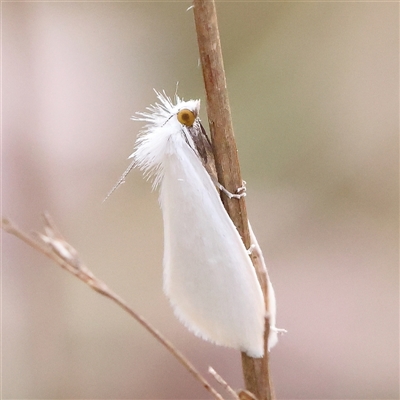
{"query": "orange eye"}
{"type": "Point", "coordinates": [186, 117]}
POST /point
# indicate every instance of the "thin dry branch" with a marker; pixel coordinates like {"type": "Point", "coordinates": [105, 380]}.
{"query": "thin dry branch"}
{"type": "Point", "coordinates": [54, 246]}
{"type": "Point", "coordinates": [223, 383]}
{"type": "Point", "coordinates": [255, 370]}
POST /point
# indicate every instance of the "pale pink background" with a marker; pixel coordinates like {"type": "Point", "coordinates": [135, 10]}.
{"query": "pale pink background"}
{"type": "Point", "coordinates": [314, 96]}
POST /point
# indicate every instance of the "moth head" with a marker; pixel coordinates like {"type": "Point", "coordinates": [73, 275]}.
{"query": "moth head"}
{"type": "Point", "coordinates": [188, 113]}
{"type": "Point", "coordinates": [186, 117]}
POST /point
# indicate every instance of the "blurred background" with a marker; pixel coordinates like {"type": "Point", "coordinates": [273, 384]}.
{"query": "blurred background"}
{"type": "Point", "coordinates": [314, 97]}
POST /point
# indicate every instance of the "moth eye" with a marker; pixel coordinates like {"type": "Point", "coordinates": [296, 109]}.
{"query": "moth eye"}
{"type": "Point", "coordinates": [186, 117]}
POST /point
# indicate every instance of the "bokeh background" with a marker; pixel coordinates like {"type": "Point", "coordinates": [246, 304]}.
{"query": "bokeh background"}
{"type": "Point", "coordinates": [314, 96]}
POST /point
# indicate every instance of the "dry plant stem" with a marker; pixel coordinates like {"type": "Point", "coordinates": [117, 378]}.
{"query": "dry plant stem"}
{"type": "Point", "coordinates": [218, 111]}
{"type": "Point", "coordinates": [223, 383]}
{"type": "Point", "coordinates": [255, 370]}
{"type": "Point", "coordinates": [246, 395]}
{"type": "Point", "coordinates": [57, 249]}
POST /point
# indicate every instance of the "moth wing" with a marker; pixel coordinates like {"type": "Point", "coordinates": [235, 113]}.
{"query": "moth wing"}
{"type": "Point", "coordinates": [208, 275]}
{"type": "Point", "coordinates": [273, 331]}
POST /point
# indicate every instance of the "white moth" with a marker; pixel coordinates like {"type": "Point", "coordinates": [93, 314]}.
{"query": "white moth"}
{"type": "Point", "coordinates": [208, 276]}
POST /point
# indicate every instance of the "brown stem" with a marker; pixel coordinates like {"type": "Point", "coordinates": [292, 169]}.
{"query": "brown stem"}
{"type": "Point", "coordinates": [255, 370]}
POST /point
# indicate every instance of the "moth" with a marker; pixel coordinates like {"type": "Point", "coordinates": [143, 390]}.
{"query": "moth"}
{"type": "Point", "coordinates": [208, 276]}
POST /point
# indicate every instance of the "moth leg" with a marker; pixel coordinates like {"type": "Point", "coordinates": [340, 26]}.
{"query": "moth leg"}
{"type": "Point", "coordinates": [242, 189]}
{"type": "Point", "coordinates": [240, 192]}
{"type": "Point", "coordinates": [232, 195]}
{"type": "Point", "coordinates": [278, 330]}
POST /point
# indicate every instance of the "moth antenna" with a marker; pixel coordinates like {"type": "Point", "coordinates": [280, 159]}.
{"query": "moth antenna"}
{"type": "Point", "coordinates": [121, 180]}
{"type": "Point", "coordinates": [176, 92]}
